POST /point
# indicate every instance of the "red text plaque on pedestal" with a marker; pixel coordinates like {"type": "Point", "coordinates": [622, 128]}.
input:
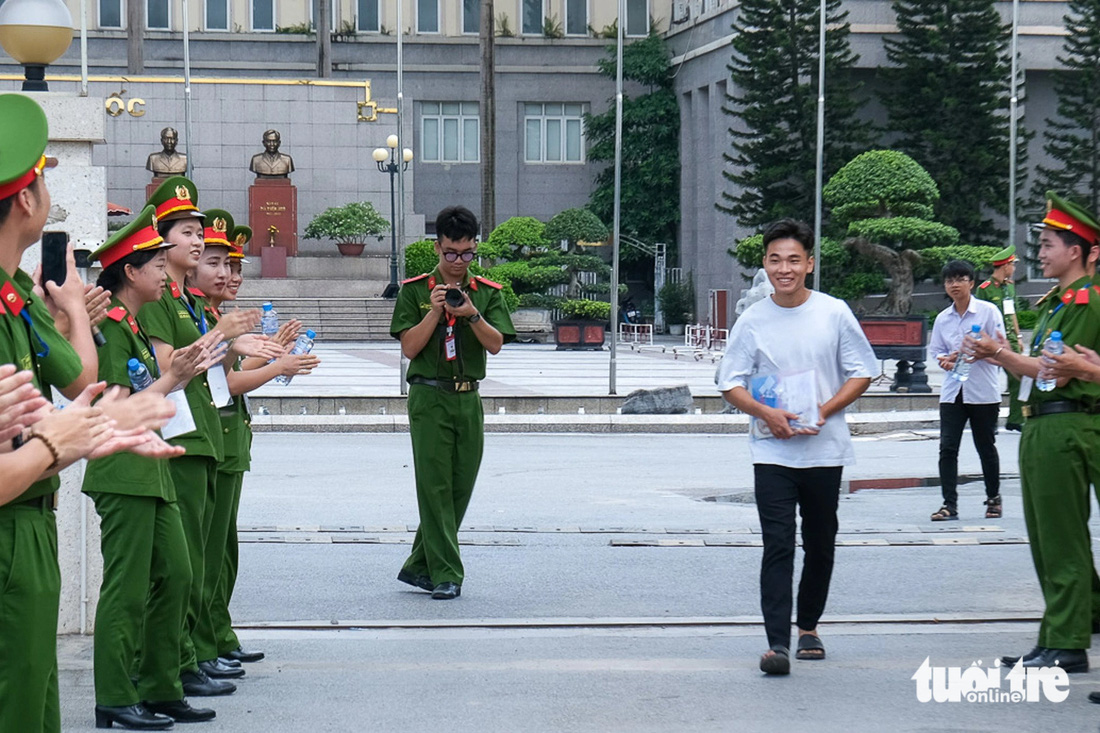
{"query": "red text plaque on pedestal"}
{"type": "Point", "coordinates": [273, 202]}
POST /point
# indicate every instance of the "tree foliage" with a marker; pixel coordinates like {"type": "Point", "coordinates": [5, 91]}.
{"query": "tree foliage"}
{"type": "Point", "coordinates": [945, 97]}
{"type": "Point", "coordinates": [773, 101]}
{"type": "Point", "coordinates": [1072, 139]}
{"type": "Point", "coordinates": [575, 226]}
{"type": "Point", "coordinates": [650, 205]}
{"type": "Point", "coordinates": [514, 237]}
{"type": "Point", "coordinates": [348, 224]}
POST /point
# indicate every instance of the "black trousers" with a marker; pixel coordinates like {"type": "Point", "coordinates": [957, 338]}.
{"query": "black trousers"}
{"type": "Point", "coordinates": [983, 427]}
{"type": "Point", "coordinates": [816, 492]}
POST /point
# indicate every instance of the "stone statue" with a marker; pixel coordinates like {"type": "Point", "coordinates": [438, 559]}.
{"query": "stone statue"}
{"type": "Point", "coordinates": [167, 162]}
{"type": "Point", "coordinates": [271, 163]}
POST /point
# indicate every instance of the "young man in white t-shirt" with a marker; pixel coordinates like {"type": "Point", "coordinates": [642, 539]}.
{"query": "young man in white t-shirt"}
{"type": "Point", "coordinates": [800, 341]}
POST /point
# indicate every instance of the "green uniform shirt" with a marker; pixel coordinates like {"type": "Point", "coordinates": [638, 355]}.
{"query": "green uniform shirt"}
{"type": "Point", "coordinates": [414, 302]}
{"type": "Point", "coordinates": [236, 424]}
{"type": "Point", "coordinates": [125, 472]}
{"type": "Point", "coordinates": [25, 347]}
{"type": "Point", "coordinates": [170, 320]}
{"type": "Point", "coordinates": [997, 295]}
{"type": "Point", "coordinates": [1075, 311]}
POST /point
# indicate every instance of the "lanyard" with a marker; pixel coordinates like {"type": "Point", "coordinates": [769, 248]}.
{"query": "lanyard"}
{"type": "Point", "coordinates": [152, 352]}
{"type": "Point", "coordinates": [32, 331]}
{"type": "Point", "coordinates": [1042, 327]}
{"type": "Point", "coordinates": [198, 318]}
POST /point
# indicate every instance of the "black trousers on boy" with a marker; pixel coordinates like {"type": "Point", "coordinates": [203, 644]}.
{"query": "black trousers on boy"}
{"type": "Point", "coordinates": [983, 426]}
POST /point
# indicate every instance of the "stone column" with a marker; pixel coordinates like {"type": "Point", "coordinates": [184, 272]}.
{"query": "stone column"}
{"type": "Point", "coordinates": [79, 191]}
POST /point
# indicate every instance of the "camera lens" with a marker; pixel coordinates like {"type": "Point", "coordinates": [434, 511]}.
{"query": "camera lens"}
{"type": "Point", "coordinates": [454, 298]}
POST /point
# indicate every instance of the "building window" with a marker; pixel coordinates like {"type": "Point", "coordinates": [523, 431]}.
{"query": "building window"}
{"type": "Point", "coordinates": [367, 18]}
{"type": "Point", "coordinates": [449, 132]}
{"type": "Point", "coordinates": [471, 16]}
{"type": "Point", "coordinates": [110, 13]}
{"type": "Point", "coordinates": [637, 17]}
{"type": "Point", "coordinates": [532, 17]}
{"type": "Point", "coordinates": [263, 15]}
{"type": "Point", "coordinates": [554, 133]}
{"type": "Point", "coordinates": [158, 14]}
{"type": "Point", "coordinates": [217, 15]}
{"type": "Point", "coordinates": [576, 17]}
{"type": "Point", "coordinates": [427, 16]}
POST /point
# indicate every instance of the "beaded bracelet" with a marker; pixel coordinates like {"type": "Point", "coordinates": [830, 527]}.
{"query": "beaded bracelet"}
{"type": "Point", "coordinates": [49, 446]}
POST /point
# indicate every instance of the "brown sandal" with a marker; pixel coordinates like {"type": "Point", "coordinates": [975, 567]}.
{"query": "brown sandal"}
{"type": "Point", "coordinates": [993, 507]}
{"type": "Point", "coordinates": [944, 514]}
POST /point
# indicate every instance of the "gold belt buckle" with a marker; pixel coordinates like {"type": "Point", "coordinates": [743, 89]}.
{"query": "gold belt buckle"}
{"type": "Point", "coordinates": [462, 386]}
{"type": "Point", "coordinates": [1028, 410]}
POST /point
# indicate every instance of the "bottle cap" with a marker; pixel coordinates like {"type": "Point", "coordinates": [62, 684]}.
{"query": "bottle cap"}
{"type": "Point", "coordinates": [310, 334]}
{"type": "Point", "coordinates": [268, 306]}
{"type": "Point", "coordinates": [975, 328]}
{"type": "Point", "coordinates": [133, 365]}
{"type": "Point", "coordinates": [1056, 335]}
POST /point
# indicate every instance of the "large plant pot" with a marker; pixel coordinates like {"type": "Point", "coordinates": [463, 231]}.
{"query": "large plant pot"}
{"type": "Point", "coordinates": [903, 338]}
{"type": "Point", "coordinates": [579, 335]}
{"type": "Point", "coordinates": [676, 329]}
{"type": "Point", "coordinates": [350, 250]}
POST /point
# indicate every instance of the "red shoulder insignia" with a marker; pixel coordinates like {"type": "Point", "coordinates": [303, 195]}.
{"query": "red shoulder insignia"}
{"type": "Point", "coordinates": [175, 288]}
{"type": "Point", "coordinates": [488, 282]}
{"type": "Point", "coordinates": [984, 285]}
{"type": "Point", "coordinates": [196, 292]}
{"type": "Point", "coordinates": [12, 300]}
{"type": "Point", "coordinates": [1067, 297]}
{"type": "Point", "coordinates": [133, 324]}
{"type": "Point", "coordinates": [117, 314]}
{"type": "Point", "coordinates": [414, 279]}
{"type": "Point", "coordinates": [1082, 296]}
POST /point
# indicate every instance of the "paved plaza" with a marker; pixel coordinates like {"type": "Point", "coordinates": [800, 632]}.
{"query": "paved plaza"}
{"type": "Point", "coordinates": [611, 586]}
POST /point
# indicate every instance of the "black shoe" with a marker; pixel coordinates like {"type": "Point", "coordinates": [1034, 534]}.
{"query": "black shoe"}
{"type": "Point", "coordinates": [240, 655]}
{"type": "Point", "coordinates": [1096, 627]}
{"type": "Point", "coordinates": [1094, 697]}
{"type": "Point", "coordinates": [181, 711]}
{"type": "Point", "coordinates": [133, 717]}
{"type": "Point", "coordinates": [447, 591]}
{"type": "Point", "coordinates": [226, 661]}
{"type": "Point", "coordinates": [217, 670]}
{"type": "Point", "coordinates": [1011, 661]}
{"type": "Point", "coordinates": [1071, 660]}
{"type": "Point", "coordinates": [1014, 426]}
{"type": "Point", "coordinates": [198, 684]}
{"type": "Point", "coordinates": [422, 582]}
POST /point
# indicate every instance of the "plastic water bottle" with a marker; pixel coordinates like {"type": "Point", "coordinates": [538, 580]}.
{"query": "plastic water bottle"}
{"type": "Point", "coordinates": [1054, 345]}
{"type": "Point", "coordinates": [303, 345]}
{"type": "Point", "coordinates": [140, 378]}
{"type": "Point", "coordinates": [961, 372]}
{"type": "Point", "coordinates": [269, 321]}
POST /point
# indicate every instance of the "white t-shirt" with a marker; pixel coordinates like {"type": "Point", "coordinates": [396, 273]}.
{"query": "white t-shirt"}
{"type": "Point", "coordinates": [821, 334]}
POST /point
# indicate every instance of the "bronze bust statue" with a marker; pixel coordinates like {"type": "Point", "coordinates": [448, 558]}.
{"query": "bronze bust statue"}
{"type": "Point", "coordinates": [167, 162]}
{"type": "Point", "coordinates": [271, 163]}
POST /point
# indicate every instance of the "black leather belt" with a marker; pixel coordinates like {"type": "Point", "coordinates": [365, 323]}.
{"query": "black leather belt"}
{"type": "Point", "coordinates": [45, 503]}
{"type": "Point", "coordinates": [446, 385]}
{"type": "Point", "coordinates": [1059, 407]}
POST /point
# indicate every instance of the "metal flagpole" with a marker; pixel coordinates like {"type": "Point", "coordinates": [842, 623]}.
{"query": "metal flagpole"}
{"type": "Point", "coordinates": [618, 200]}
{"type": "Point", "coordinates": [819, 173]}
{"type": "Point", "coordinates": [187, 92]}
{"type": "Point", "coordinates": [83, 62]}
{"type": "Point", "coordinates": [403, 386]}
{"type": "Point", "coordinates": [1013, 99]}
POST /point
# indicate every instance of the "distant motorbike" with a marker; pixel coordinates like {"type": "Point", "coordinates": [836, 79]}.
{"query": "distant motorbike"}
{"type": "Point", "coordinates": [630, 312]}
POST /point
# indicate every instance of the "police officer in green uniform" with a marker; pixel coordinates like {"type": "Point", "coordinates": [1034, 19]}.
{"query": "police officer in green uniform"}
{"type": "Point", "coordinates": [1058, 455]}
{"type": "Point", "coordinates": [1000, 290]}
{"type": "Point", "coordinates": [29, 595]}
{"type": "Point", "coordinates": [146, 570]}
{"type": "Point", "coordinates": [176, 320]}
{"type": "Point", "coordinates": [446, 340]}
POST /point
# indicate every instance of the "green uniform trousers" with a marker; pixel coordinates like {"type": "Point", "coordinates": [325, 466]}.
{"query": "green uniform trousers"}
{"type": "Point", "coordinates": [448, 437]}
{"type": "Point", "coordinates": [1015, 407]}
{"type": "Point", "coordinates": [227, 495]}
{"type": "Point", "coordinates": [194, 477]}
{"type": "Point", "coordinates": [143, 599]}
{"type": "Point", "coordinates": [1058, 462]}
{"type": "Point", "coordinates": [223, 623]}
{"type": "Point", "coordinates": [30, 589]}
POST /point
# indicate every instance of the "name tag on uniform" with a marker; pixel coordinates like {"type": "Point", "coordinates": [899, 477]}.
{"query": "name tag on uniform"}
{"type": "Point", "coordinates": [1009, 306]}
{"type": "Point", "coordinates": [449, 344]}
{"type": "Point", "coordinates": [1025, 388]}
{"type": "Point", "coordinates": [182, 422]}
{"type": "Point", "coordinates": [219, 386]}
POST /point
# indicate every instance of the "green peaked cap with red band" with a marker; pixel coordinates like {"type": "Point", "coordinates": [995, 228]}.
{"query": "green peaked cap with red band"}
{"type": "Point", "coordinates": [176, 198]}
{"type": "Point", "coordinates": [240, 236]}
{"type": "Point", "coordinates": [138, 236]}
{"type": "Point", "coordinates": [219, 227]}
{"type": "Point", "coordinates": [23, 135]}
{"type": "Point", "coordinates": [1068, 216]}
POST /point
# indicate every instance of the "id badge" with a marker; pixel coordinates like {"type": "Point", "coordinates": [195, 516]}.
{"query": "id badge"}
{"type": "Point", "coordinates": [1009, 306]}
{"type": "Point", "coordinates": [449, 345]}
{"type": "Point", "coordinates": [182, 422]}
{"type": "Point", "coordinates": [1025, 388]}
{"type": "Point", "coordinates": [219, 386]}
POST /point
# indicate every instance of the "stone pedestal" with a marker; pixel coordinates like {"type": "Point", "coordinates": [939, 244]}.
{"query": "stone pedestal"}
{"type": "Point", "coordinates": [153, 186]}
{"type": "Point", "coordinates": [273, 202]}
{"type": "Point", "coordinates": [273, 262]}
{"type": "Point", "coordinates": [79, 194]}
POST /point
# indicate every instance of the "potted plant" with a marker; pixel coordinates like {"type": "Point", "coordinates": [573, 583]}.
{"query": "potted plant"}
{"type": "Point", "coordinates": [349, 226]}
{"type": "Point", "coordinates": [677, 304]}
{"type": "Point", "coordinates": [583, 326]}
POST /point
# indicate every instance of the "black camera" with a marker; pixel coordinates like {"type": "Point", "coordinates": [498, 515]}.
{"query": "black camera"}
{"type": "Point", "coordinates": [454, 298]}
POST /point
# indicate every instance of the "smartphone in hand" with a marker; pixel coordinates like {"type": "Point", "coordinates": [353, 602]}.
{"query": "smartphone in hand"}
{"type": "Point", "coordinates": [55, 246]}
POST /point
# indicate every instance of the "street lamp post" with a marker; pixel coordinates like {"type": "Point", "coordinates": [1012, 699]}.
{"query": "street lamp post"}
{"type": "Point", "coordinates": [388, 163]}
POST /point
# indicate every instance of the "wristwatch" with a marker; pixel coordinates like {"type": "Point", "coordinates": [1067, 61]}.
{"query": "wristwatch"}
{"type": "Point", "coordinates": [474, 318]}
